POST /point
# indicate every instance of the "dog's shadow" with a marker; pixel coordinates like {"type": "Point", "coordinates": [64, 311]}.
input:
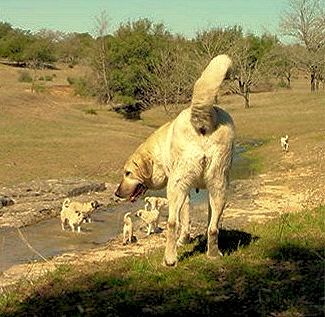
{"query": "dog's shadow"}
{"type": "Point", "coordinates": [228, 241]}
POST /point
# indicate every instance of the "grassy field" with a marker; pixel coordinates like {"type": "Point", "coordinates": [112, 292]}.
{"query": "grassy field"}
{"type": "Point", "coordinates": [278, 270]}
{"type": "Point", "coordinates": [57, 135]}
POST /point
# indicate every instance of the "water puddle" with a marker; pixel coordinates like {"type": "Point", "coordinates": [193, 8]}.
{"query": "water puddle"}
{"type": "Point", "coordinates": [49, 240]}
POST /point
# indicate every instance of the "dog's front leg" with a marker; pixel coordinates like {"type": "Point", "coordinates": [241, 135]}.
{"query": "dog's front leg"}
{"type": "Point", "coordinates": [176, 198]}
{"type": "Point", "coordinates": [185, 223]}
{"type": "Point", "coordinates": [149, 229]}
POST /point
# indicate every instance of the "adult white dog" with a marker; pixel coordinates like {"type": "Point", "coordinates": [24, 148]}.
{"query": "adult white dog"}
{"type": "Point", "coordinates": [192, 151]}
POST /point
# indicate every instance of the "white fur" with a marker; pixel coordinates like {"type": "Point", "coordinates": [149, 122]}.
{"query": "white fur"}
{"type": "Point", "coordinates": [150, 217]}
{"type": "Point", "coordinates": [127, 228]}
{"type": "Point", "coordinates": [284, 141]}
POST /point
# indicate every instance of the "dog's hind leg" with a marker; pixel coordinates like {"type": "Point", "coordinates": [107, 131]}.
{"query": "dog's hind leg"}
{"type": "Point", "coordinates": [217, 199]}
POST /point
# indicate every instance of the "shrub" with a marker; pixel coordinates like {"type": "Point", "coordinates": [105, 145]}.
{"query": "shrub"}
{"type": "Point", "coordinates": [80, 85]}
{"type": "Point", "coordinates": [38, 88]}
{"type": "Point", "coordinates": [48, 78]}
{"type": "Point", "coordinates": [90, 111]}
{"type": "Point", "coordinates": [25, 77]}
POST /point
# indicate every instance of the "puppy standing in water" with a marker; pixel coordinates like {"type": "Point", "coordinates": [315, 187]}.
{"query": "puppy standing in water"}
{"type": "Point", "coordinates": [127, 229]}
{"type": "Point", "coordinates": [150, 217]}
{"type": "Point", "coordinates": [155, 203]}
{"type": "Point", "coordinates": [75, 213]}
{"type": "Point", "coordinates": [192, 151]}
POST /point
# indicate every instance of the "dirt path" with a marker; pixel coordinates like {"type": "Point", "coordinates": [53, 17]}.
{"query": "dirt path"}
{"type": "Point", "coordinates": [296, 183]}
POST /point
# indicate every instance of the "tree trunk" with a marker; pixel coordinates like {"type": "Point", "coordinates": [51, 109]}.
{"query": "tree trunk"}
{"type": "Point", "coordinates": [312, 81]}
{"type": "Point", "coordinates": [246, 96]}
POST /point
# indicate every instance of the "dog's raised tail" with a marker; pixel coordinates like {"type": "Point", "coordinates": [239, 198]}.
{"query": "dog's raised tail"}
{"type": "Point", "coordinates": [205, 91]}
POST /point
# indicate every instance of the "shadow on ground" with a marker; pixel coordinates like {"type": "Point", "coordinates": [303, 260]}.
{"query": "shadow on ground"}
{"type": "Point", "coordinates": [289, 283]}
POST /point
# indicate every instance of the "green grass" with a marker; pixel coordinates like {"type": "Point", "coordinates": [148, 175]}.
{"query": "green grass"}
{"type": "Point", "coordinates": [272, 270]}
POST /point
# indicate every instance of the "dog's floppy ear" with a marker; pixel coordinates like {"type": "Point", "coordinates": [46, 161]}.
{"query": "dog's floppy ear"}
{"type": "Point", "coordinates": [145, 167]}
{"type": "Point", "coordinates": [94, 204]}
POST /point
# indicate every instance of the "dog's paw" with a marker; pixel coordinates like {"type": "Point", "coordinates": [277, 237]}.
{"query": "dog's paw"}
{"type": "Point", "coordinates": [170, 261]}
{"type": "Point", "coordinates": [214, 253]}
{"type": "Point", "coordinates": [183, 240]}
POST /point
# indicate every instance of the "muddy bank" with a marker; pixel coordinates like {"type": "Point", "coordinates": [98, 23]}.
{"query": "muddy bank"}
{"type": "Point", "coordinates": [36, 201]}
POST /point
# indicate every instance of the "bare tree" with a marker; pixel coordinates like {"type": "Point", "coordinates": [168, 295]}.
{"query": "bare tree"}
{"type": "Point", "coordinates": [305, 21]}
{"type": "Point", "coordinates": [251, 64]}
{"type": "Point", "coordinates": [101, 58]}
{"type": "Point", "coordinates": [171, 76]}
{"type": "Point", "coordinates": [285, 63]}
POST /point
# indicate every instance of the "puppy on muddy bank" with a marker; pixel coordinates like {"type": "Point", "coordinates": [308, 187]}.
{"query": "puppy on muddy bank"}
{"type": "Point", "coordinates": [128, 236]}
{"type": "Point", "coordinates": [75, 213]}
{"type": "Point", "coordinates": [192, 151]}
{"type": "Point", "coordinates": [150, 218]}
{"type": "Point", "coordinates": [155, 203]}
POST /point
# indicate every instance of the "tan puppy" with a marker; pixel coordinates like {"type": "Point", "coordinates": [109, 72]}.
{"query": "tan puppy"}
{"type": "Point", "coordinates": [75, 212]}
{"type": "Point", "coordinates": [155, 203]}
{"type": "Point", "coordinates": [192, 151]}
{"type": "Point", "coordinates": [127, 229]}
{"type": "Point", "coordinates": [150, 217]}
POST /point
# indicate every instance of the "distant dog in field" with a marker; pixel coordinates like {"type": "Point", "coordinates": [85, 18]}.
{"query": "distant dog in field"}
{"type": "Point", "coordinates": [150, 217]}
{"type": "Point", "coordinates": [127, 229]}
{"type": "Point", "coordinates": [75, 212]}
{"type": "Point", "coordinates": [285, 143]}
{"type": "Point", "coordinates": [155, 203]}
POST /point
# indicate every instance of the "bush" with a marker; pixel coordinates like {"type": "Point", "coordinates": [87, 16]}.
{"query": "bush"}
{"type": "Point", "coordinates": [25, 77]}
{"type": "Point", "coordinates": [80, 85]}
{"type": "Point", "coordinates": [71, 80]}
{"type": "Point", "coordinates": [90, 111]}
{"type": "Point", "coordinates": [48, 78]}
{"type": "Point", "coordinates": [39, 88]}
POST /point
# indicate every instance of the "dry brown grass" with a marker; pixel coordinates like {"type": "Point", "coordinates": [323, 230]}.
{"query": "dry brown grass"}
{"type": "Point", "coordinates": [50, 135]}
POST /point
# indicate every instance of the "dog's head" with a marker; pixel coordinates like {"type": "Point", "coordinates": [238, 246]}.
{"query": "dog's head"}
{"type": "Point", "coordinates": [139, 213]}
{"type": "Point", "coordinates": [94, 204]}
{"type": "Point", "coordinates": [136, 177]}
{"type": "Point", "coordinates": [66, 203]}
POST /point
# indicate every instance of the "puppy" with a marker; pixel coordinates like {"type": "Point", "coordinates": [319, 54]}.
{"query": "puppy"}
{"type": "Point", "coordinates": [75, 213]}
{"type": "Point", "coordinates": [151, 218]}
{"type": "Point", "coordinates": [127, 229]}
{"type": "Point", "coordinates": [285, 143]}
{"type": "Point", "coordinates": [155, 203]}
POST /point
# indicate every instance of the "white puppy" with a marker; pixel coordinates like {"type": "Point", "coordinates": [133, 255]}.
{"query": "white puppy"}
{"type": "Point", "coordinates": [155, 203]}
{"type": "Point", "coordinates": [75, 212]}
{"type": "Point", "coordinates": [150, 217]}
{"type": "Point", "coordinates": [127, 229]}
{"type": "Point", "coordinates": [285, 143]}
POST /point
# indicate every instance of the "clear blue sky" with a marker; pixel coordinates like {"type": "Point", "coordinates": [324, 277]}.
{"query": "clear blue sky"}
{"type": "Point", "coordinates": [179, 16]}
